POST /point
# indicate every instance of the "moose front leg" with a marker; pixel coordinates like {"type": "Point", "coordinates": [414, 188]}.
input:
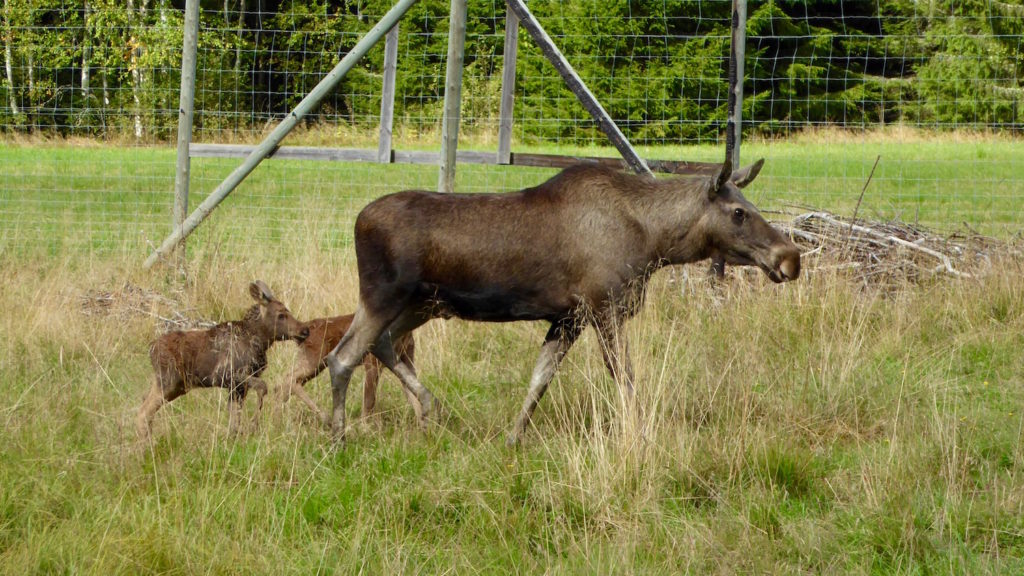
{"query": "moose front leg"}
{"type": "Point", "coordinates": [615, 349]}
{"type": "Point", "coordinates": [556, 343]}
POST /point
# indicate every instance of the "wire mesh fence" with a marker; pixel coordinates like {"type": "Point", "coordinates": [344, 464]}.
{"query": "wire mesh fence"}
{"type": "Point", "coordinates": [89, 96]}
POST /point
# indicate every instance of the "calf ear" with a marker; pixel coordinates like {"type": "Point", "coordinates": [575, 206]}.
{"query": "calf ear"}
{"type": "Point", "coordinates": [261, 292]}
{"type": "Point", "coordinates": [746, 175]}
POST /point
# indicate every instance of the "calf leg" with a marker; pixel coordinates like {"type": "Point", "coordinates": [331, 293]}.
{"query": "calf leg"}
{"type": "Point", "coordinates": [157, 396]}
{"type": "Point", "coordinates": [372, 367]}
{"type": "Point", "coordinates": [557, 342]}
{"type": "Point", "coordinates": [296, 385]}
{"type": "Point", "coordinates": [406, 350]}
{"type": "Point", "coordinates": [235, 399]}
{"type": "Point", "coordinates": [258, 386]}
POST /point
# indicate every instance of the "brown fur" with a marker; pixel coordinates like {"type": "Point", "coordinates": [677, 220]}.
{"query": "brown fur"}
{"type": "Point", "coordinates": [587, 239]}
{"type": "Point", "coordinates": [324, 335]}
{"type": "Point", "coordinates": [230, 355]}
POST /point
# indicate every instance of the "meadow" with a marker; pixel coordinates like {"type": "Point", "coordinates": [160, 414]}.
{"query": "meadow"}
{"type": "Point", "coordinates": [821, 426]}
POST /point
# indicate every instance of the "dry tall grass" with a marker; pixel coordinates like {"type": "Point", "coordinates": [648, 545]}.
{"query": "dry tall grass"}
{"type": "Point", "coordinates": [818, 426]}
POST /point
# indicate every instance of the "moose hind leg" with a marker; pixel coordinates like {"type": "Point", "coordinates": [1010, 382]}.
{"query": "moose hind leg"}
{"type": "Point", "coordinates": [419, 396]}
{"type": "Point", "coordinates": [346, 356]}
{"type": "Point", "coordinates": [557, 342]}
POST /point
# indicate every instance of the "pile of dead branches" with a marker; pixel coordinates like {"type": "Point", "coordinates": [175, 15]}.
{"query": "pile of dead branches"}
{"type": "Point", "coordinates": [134, 301]}
{"type": "Point", "coordinates": [880, 252]}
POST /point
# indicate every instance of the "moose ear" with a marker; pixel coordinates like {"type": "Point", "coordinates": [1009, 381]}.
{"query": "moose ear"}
{"type": "Point", "coordinates": [261, 292]}
{"type": "Point", "coordinates": [721, 178]}
{"type": "Point", "coordinates": [745, 176]}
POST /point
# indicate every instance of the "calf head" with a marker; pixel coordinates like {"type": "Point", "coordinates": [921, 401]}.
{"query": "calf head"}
{"type": "Point", "coordinates": [275, 320]}
{"type": "Point", "coordinates": [737, 233]}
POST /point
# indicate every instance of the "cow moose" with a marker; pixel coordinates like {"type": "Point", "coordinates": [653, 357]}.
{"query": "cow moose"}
{"type": "Point", "coordinates": [323, 335]}
{"type": "Point", "coordinates": [588, 239]}
{"type": "Point", "coordinates": [230, 355]}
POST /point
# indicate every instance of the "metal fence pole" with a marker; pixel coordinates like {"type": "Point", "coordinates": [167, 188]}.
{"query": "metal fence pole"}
{"type": "Point", "coordinates": [452, 95]}
{"type": "Point", "coordinates": [186, 104]}
{"type": "Point", "coordinates": [387, 99]}
{"type": "Point", "coordinates": [508, 87]}
{"type": "Point", "coordinates": [576, 85]}
{"type": "Point", "coordinates": [270, 143]}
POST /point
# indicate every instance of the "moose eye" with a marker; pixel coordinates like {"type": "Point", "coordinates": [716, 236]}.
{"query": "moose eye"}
{"type": "Point", "coordinates": [738, 215]}
{"type": "Point", "coordinates": [282, 316]}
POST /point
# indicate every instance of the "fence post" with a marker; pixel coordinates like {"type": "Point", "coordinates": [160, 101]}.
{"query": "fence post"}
{"type": "Point", "coordinates": [271, 142]}
{"type": "Point", "coordinates": [452, 94]}
{"type": "Point", "coordinates": [508, 87]}
{"type": "Point", "coordinates": [737, 51]}
{"type": "Point", "coordinates": [575, 84]}
{"type": "Point", "coordinates": [387, 99]}
{"type": "Point", "coordinates": [186, 104]}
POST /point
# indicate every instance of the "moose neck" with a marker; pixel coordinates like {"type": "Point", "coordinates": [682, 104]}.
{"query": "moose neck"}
{"type": "Point", "coordinates": [672, 211]}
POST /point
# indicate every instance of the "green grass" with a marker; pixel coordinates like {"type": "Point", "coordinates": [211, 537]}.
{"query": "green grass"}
{"type": "Point", "coordinates": [117, 200]}
{"type": "Point", "coordinates": [813, 427]}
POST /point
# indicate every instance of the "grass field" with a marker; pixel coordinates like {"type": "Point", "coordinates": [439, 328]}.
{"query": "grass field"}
{"type": "Point", "coordinates": [815, 427]}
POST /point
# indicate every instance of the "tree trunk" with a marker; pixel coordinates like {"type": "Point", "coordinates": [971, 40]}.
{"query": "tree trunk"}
{"type": "Point", "coordinates": [238, 46]}
{"type": "Point", "coordinates": [136, 51]}
{"type": "Point", "coordinates": [9, 57]}
{"type": "Point", "coordinates": [86, 58]}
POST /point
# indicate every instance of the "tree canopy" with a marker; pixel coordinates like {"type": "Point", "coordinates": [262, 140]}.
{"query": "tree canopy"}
{"type": "Point", "coordinates": [111, 67]}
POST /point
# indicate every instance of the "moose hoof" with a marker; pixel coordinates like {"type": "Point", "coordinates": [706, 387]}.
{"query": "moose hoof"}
{"type": "Point", "coordinates": [512, 440]}
{"type": "Point", "coordinates": [338, 432]}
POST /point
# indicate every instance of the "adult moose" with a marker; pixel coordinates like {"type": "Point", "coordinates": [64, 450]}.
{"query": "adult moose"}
{"type": "Point", "coordinates": [588, 239]}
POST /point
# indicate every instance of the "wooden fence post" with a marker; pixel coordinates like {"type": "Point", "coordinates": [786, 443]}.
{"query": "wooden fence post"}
{"type": "Point", "coordinates": [508, 87]}
{"type": "Point", "coordinates": [271, 142]}
{"type": "Point", "coordinates": [186, 105]}
{"type": "Point", "coordinates": [387, 99]}
{"type": "Point", "coordinates": [452, 95]}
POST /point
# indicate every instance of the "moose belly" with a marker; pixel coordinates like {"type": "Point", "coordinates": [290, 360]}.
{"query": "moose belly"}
{"type": "Point", "coordinates": [490, 303]}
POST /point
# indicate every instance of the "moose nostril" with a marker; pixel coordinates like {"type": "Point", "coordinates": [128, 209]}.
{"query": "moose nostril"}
{"type": "Point", "coordinates": [790, 268]}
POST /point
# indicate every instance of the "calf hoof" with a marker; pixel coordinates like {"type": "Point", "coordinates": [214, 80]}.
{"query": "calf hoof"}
{"type": "Point", "coordinates": [142, 429]}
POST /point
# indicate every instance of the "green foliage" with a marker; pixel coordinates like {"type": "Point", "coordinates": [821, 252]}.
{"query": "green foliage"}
{"type": "Point", "coordinates": [659, 68]}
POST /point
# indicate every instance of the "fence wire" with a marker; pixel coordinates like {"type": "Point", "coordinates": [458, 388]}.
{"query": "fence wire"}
{"type": "Point", "coordinates": [89, 96]}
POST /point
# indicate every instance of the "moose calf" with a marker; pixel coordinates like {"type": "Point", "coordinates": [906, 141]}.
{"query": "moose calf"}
{"type": "Point", "coordinates": [230, 355]}
{"type": "Point", "coordinates": [323, 335]}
